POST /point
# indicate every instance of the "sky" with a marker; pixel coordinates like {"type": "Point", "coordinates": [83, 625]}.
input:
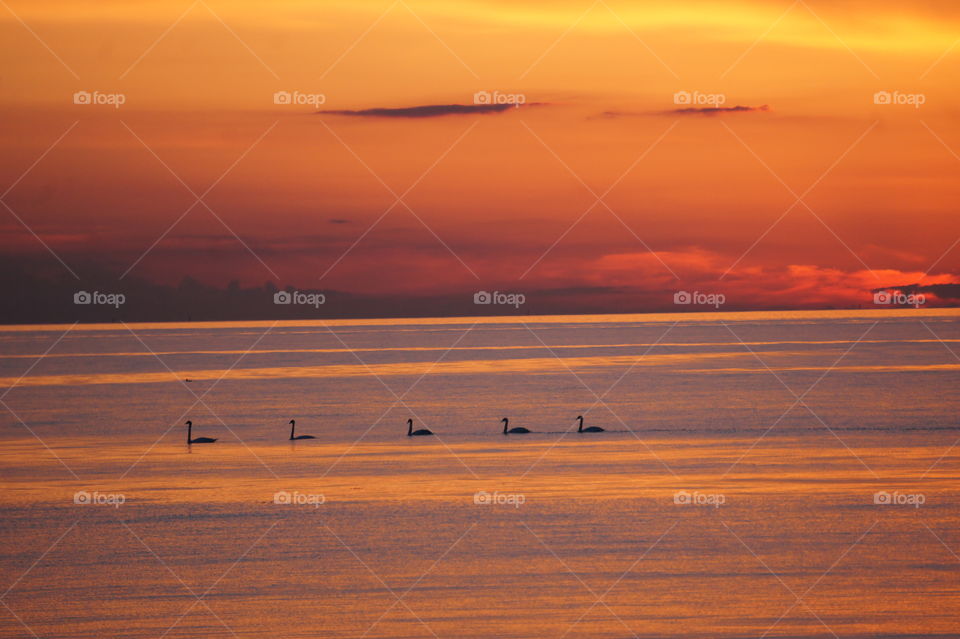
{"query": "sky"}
{"type": "Point", "coordinates": [781, 154]}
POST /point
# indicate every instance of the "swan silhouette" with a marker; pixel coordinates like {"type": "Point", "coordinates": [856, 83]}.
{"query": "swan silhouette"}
{"type": "Point", "coordinates": [415, 433]}
{"type": "Point", "coordinates": [198, 440]}
{"type": "Point", "coordinates": [293, 424]}
{"type": "Point", "coordinates": [518, 430]}
{"type": "Point", "coordinates": [588, 429]}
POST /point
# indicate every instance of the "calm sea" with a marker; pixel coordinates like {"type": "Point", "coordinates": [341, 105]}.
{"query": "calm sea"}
{"type": "Point", "coordinates": [759, 475]}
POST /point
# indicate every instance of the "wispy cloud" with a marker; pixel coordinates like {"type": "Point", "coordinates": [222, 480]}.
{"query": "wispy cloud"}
{"type": "Point", "coordinates": [425, 111]}
{"type": "Point", "coordinates": [709, 111]}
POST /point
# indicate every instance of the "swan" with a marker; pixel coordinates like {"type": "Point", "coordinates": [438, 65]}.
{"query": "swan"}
{"type": "Point", "coordinates": [198, 440]}
{"type": "Point", "coordinates": [293, 424]}
{"type": "Point", "coordinates": [414, 433]}
{"type": "Point", "coordinates": [588, 429]}
{"type": "Point", "coordinates": [518, 430]}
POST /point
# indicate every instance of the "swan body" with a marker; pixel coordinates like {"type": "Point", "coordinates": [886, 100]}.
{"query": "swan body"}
{"type": "Point", "coordinates": [588, 429]}
{"type": "Point", "coordinates": [197, 440]}
{"type": "Point", "coordinates": [517, 430]}
{"type": "Point", "coordinates": [416, 433]}
{"type": "Point", "coordinates": [293, 424]}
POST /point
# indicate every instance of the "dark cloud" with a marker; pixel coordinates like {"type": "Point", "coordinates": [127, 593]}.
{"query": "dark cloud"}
{"type": "Point", "coordinates": [718, 110]}
{"type": "Point", "coordinates": [690, 111]}
{"type": "Point", "coordinates": [338, 220]}
{"type": "Point", "coordinates": [426, 111]}
{"type": "Point", "coordinates": [948, 292]}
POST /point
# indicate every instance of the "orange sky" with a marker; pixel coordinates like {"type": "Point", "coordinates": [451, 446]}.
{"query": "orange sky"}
{"type": "Point", "coordinates": [498, 200]}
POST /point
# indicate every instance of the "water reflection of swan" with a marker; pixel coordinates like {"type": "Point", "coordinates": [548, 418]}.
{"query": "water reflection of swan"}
{"type": "Point", "coordinates": [415, 433]}
{"type": "Point", "coordinates": [518, 430]}
{"type": "Point", "coordinates": [198, 440]}
{"type": "Point", "coordinates": [588, 429]}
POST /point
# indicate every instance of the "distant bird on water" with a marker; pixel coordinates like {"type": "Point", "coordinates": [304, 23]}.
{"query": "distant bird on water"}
{"type": "Point", "coordinates": [518, 430]}
{"type": "Point", "coordinates": [589, 429]}
{"type": "Point", "coordinates": [416, 433]}
{"type": "Point", "coordinates": [293, 424]}
{"type": "Point", "coordinates": [198, 440]}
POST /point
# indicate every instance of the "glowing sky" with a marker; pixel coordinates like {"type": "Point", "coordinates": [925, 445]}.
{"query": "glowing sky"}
{"type": "Point", "coordinates": [812, 194]}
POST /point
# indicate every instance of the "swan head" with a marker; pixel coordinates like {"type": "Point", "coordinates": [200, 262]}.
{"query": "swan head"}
{"type": "Point", "coordinates": [292, 422]}
{"type": "Point", "coordinates": [189, 423]}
